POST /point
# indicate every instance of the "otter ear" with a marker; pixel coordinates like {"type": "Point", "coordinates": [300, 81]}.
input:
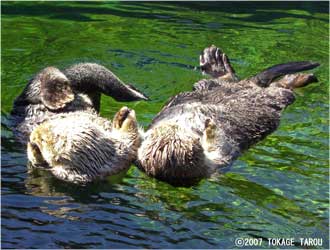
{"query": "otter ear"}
{"type": "Point", "coordinates": [55, 89]}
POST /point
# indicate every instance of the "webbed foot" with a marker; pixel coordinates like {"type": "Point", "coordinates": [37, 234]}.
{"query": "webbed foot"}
{"type": "Point", "coordinates": [294, 81]}
{"type": "Point", "coordinates": [214, 62]}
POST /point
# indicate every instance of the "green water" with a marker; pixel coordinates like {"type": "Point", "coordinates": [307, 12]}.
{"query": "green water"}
{"type": "Point", "coordinates": [278, 189]}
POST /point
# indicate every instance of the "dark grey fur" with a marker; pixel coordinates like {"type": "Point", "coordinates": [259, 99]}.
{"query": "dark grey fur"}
{"type": "Point", "coordinates": [78, 88]}
{"type": "Point", "coordinates": [216, 122]}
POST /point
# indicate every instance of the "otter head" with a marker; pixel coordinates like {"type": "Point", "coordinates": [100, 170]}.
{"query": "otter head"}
{"type": "Point", "coordinates": [55, 88]}
{"type": "Point", "coordinates": [40, 148]}
{"type": "Point", "coordinates": [173, 154]}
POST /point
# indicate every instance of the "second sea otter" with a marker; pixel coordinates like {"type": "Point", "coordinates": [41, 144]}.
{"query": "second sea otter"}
{"type": "Point", "coordinates": [199, 131]}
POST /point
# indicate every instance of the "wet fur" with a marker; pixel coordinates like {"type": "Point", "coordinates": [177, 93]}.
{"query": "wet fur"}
{"type": "Point", "coordinates": [243, 116]}
{"type": "Point", "coordinates": [80, 147]}
{"type": "Point", "coordinates": [217, 121]}
{"type": "Point", "coordinates": [79, 88]}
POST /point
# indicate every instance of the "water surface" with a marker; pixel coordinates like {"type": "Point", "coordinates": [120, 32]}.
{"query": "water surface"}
{"type": "Point", "coordinates": [279, 188]}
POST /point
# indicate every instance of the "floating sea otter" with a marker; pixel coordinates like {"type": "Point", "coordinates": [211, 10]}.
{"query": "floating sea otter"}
{"type": "Point", "coordinates": [197, 132]}
{"type": "Point", "coordinates": [80, 147]}
{"type": "Point", "coordinates": [78, 88]}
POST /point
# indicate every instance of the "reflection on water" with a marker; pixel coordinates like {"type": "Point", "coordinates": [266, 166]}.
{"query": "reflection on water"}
{"type": "Point", "coordinates": [279, 188]}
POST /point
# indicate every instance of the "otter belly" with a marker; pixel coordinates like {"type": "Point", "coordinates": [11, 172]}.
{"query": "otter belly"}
{"type": "Point", "coordinates": [80, 147]}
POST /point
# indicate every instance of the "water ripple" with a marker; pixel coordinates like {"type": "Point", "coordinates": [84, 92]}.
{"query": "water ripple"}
{"type": "Point", "coordinates": [279, 188]}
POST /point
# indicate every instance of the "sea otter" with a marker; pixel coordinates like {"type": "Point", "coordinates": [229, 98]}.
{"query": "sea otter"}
{"type": "Point", "coordinates": [77, 88]}
{"type": "Point", "coordinates": [199, 131]}
{"type": "Point", "coordinates": [81, 147]}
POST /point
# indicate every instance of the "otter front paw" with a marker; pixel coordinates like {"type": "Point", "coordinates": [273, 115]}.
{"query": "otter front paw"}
{"type": "Point", "coordinates": [125, 120]}
{"type": "Point", "coordinates": [34, 155]}
{"type": "Point", "coordinates": [209, 134]}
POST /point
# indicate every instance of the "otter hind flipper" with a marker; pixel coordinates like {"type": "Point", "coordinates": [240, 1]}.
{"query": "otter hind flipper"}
{"type": "Point", "coordinates": [92, 77]}
{"type": "Point", "coordinates": [214, 62]}
{"type": "Point", "coordinates": [268, 75]}
{"type": "Point", "coordinates": [55, 89]}
{"type": "Point", "coordinates": [293, 81]}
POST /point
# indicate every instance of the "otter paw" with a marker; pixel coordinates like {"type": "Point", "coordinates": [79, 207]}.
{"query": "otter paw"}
{"type": "Point", "coordinates": [125, 120]}
{"type": "Point", "coordinates": [210, 129]}
{"type": "Point", "coordinates": [214, 62]}
{"type": "Point", "coordinates": [209, 135]}
{"type": "Point", "coordinates": [34, 154]}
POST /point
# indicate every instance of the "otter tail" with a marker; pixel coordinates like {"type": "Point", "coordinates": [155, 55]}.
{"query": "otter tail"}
{"type": "Point", "coordinates": [92, 77]}
{"type": "Point", "coordinates": [268, 75]}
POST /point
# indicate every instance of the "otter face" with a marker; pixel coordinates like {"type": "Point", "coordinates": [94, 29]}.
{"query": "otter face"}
{"type": "Point", "coordinates": [55, 88]}
{"type": "Point", "coordinates": [172, 154]}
